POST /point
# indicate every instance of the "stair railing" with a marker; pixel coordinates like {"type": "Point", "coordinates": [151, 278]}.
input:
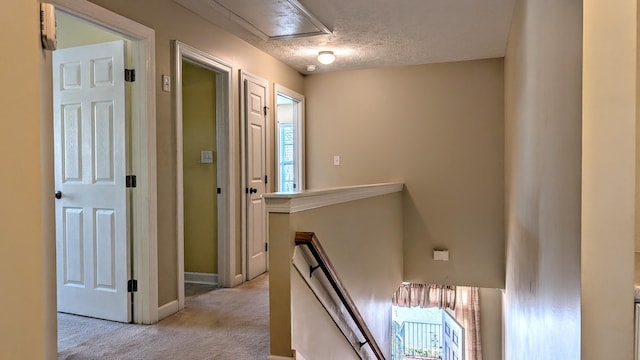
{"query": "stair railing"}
{"type": "Point", "coordinates": [312, 243]}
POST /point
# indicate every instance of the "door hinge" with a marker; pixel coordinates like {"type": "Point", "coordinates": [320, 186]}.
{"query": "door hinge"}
{"type": "Point", "coordinates": [132, 285]}
{"type": "Point", "coordinates": [131, 181]}
{"type": "Point", "coordinates": [219, 191]}
{"type": "Point", "coordinates": [266, 247]}
{"type": "Point", "coordinates": [266, 110]}
{"type": "Point", "coordinates": [130, 75]}
{"type": "Point", "coordinates": [265, 179]}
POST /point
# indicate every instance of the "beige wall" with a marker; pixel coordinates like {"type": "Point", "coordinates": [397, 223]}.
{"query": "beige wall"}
{"type": "Point", "coordinates": [280, 247]}
{"type": "Point", "coordinates": [200, 182]}
{"type": "Point", "coordinates": [173, 22]}
{"type": "Point", "coordinates": [363, 240]}
{"type": "Point", "coordinates": [49, 298]}
{"type": "Point", "coordinates": [27, 250]}
{"type": "Point", "coordinates": [543, 151]}
{"type": "Point", "coordinates": [315, 335]}
{"type": "Point", "coordinates": [438, 129]}
{"type": "Point", "coordinates": [491, 323]}
{"type": "Point", "coordinates": [608, 180]}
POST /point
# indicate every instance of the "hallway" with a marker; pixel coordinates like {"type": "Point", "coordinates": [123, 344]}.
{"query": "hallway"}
{"type": "Point", "coordinates": [222, 324]}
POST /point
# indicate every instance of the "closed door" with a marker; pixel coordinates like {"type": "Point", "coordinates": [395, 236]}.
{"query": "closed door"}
{"type": "Point", "coordinates": [92, 245]}
{"type": "Point", "coordinates": [255, 113]}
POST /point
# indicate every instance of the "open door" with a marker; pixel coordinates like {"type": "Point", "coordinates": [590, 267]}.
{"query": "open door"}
{"type": "Point", "coordinates": [453, 338]}
{"type": "Point", "coordinates": [92, 243]}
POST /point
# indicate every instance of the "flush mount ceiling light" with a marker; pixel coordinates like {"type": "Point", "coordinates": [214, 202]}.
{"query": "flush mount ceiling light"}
{"type": "Point", "coordinates": [311, 68]}
{"type": "Point", "coordinates": [326, 57]}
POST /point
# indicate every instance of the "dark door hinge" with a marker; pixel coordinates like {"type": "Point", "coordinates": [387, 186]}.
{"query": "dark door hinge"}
{"type": "Point", "coordinates": [266, 247]}
{"type": "Point", "coordinates": [219, 191]}
{"type": "Point", "coordinates": [266, 110]}
{"type": "Point", "coordinates": [132, 285]}
{"type": "Point", "coordinates": [265, 179]}
{"type": "Point", "coordinates": [131, 181]}
{"type": "Point", "coordinates": [129, 75]}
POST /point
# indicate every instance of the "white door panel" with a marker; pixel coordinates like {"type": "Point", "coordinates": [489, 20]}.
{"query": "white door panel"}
{"type": "Point", "coordinates": [453, 336]}
{"type": "Point", "coordinates": [90, 161]}
{"type": "Point", "coordinates": [255, 99]}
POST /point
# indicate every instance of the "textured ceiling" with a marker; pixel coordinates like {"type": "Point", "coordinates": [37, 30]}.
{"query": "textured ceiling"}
{"type": "Point", "coordinates": [377, 33]}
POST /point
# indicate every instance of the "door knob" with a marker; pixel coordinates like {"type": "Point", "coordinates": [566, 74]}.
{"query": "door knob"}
{"type": "Point", "coordinates": [253, 190]}
{"type": "Point", "coordinates": [58, 195]}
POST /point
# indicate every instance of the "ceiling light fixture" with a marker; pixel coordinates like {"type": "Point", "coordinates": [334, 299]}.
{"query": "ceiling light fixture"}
{"type": "Point", "coordinates": [311, 68]}
{"type": "Point", "coordinates": [326, 57]}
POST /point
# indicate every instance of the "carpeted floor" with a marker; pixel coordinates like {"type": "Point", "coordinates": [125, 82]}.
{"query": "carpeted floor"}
{"type": "Point", "coordinates": [223, 324]}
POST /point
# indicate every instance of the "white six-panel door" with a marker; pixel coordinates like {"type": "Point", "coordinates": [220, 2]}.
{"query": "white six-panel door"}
{"type": "Point", "coordinates": [92, 245]}
{"type": "Point", "coordinates": [256, 135]}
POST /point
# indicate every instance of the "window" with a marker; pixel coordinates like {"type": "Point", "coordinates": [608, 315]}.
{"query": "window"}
{"type": "Point", "coordinates": [459, 328]}
{"type": "Point", "coordinates": [289, 140]}
{"type": "Point", "coordinates": [417, 333]}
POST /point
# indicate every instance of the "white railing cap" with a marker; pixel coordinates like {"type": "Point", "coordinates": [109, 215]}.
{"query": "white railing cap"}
{"type": "Point", "coordinates": [292, 202]}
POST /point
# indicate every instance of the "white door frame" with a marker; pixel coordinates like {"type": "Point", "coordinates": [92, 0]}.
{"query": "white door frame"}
{"type": "Point", "coordinates": [226, 154]}
{"type": "Point", "coordinates": [143, 150]}
{"type": "Point", "coordinates": [299, 136]}
{"type": "Point", "coordinates": [243, 158]}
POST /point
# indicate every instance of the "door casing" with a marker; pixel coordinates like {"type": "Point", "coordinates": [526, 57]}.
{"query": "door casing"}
{"type": "Point", "coordinates": [143, 150]}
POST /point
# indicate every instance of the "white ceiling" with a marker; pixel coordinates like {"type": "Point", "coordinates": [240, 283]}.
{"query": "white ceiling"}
{"type": "Point", "coordinates": [377, 33]}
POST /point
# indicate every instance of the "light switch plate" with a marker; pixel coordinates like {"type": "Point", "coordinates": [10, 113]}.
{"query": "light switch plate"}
{"type": "Point", "coordinates": [166, 83]}
{"type": "Point", "coordinates": [206, 157]}
{"type": "Point", "coordinates": [336, 160]}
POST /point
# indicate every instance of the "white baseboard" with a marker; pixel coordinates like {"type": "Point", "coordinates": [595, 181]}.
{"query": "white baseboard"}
{"type": "Point", "coordinates": [201, 278]}
{"type": "Point", "coordinates": [168, 309]}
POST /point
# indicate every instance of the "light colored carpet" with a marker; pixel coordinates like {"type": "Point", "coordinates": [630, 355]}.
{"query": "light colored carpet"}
{"type": "Point", "coordinates": [223, 324]}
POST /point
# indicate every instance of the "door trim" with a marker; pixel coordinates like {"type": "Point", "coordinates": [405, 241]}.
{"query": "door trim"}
{"type": "Point", "coordinates": [300, 134]}
{"type": "Point", "coordinates": [243, 159]}
{"type": "Point", "coordinates": [226, 145]}
{"type": "Point", "coordinates": [143, 150]}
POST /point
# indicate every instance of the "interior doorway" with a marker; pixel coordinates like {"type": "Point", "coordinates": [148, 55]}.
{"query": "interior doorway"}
{"type": "Point", "coordinates": [290, 140]}
{"type": "Point", "coordinates": [78, 26]}
{"type": "Point", "coordinates": [205, 173]}
{"type": "Point", "coordinates": [199, 169]}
